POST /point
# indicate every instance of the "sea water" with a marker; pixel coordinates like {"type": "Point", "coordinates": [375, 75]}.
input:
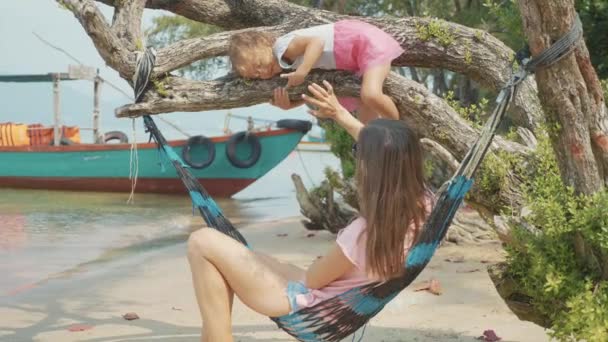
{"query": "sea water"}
{"type": "Point", "coordinates": [45, 235]}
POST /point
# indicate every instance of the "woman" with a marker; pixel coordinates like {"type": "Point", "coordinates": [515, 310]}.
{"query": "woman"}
{"type": "Point", "coordinates": [394, 202]}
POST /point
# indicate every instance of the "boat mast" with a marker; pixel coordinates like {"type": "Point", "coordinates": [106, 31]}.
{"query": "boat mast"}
{"type": "Point", "coordinates": [56, 109]}
{"type": "Point", "coordinates": [97, 82]}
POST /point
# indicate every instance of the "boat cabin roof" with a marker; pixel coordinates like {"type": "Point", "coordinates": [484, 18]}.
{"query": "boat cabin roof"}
{"type": "Point", "coordinates": [63, 76]}
{"type": "Point", "coordinates": [75, 72]}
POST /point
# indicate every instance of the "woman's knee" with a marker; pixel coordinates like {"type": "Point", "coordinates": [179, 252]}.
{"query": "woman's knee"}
{"type": "Point", "coordinates": [199, 242]}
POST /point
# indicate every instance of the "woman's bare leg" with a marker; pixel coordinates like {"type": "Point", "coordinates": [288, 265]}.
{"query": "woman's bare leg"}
{"type": "Point", "coordinates": [214, 298]}
{"type": "Point", "coordinates": [289, 271]}
{"type": "Point", "coordinates": [222, 266]}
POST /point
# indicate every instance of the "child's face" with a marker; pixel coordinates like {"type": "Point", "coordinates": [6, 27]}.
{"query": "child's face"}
{"type": "Point", "coordinates": [257, 70]}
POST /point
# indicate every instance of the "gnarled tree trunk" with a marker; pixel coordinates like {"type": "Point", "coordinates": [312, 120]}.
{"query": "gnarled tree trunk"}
{"type": "Point", "coordinates": [571, 95]}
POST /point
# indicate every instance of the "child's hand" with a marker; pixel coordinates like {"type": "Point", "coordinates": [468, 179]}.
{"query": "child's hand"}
{"type": "Point", "coordinates": [281, 99]}
{"type": "Point", "coordinates": [325, 101]}
{"type": "Point", "coordinates": [294, 78]}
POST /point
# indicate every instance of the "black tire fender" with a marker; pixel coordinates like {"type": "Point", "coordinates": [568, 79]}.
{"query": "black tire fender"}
{"type": "Point", "coordinates": [299, 125]}
{"type": "Point", "coordinates": [116, 135]}
{"type": "Point", "coordinates": [238, 138]}
{"type": "Point", "coordinates": [203, 141]}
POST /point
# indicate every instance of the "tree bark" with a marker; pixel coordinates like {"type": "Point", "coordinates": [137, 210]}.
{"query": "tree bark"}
{"type": "Point", "coordinates": [126, 23]}
{"type": "Point", "coordinates": [321, 211]}
{"type": "Point", "coordinates": [440, 153]}
{"type": "Point", "coordinates": [107, 43]}
{"type": "Point", "coordinates": [521, 305]}
{"type": "Point", "coordinates": [571, 94]}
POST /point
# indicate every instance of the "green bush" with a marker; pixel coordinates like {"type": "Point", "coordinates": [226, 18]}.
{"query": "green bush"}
{"type": "Point", "coordinates": [568, 291]}
{"type": "Point", "coordinates": [473, 113]}
{"type": "Point", "coordinates": [341, 146]}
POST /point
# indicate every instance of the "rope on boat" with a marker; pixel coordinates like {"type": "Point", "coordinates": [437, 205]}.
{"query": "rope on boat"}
{"type": "Point", "coordinates": [133, 164]}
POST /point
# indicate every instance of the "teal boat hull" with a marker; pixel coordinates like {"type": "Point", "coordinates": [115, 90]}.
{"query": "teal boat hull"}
{"type": "Point", "coordinates": [106, 167]}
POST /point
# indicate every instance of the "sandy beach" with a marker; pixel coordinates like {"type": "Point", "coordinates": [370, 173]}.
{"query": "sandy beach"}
{"type": "Point", "coordinates": [155, 283]}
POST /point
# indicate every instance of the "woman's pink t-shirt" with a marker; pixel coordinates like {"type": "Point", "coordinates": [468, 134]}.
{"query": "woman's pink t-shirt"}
{"type": "Point", "coordinates": [352, 240]}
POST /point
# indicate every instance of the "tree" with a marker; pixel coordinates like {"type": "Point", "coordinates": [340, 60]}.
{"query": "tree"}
{"type": "Point", "coordinates": [563, 268]}
{"type": "Point", "coordinates": [543, 192]}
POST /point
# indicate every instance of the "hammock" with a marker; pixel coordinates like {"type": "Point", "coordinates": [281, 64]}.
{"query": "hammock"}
{"type": "Point", "coordinates": [340, 316]}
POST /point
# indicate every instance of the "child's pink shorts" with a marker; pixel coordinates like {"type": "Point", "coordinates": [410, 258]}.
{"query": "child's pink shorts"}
{"type": "Point", "coordinates": [359, 46]}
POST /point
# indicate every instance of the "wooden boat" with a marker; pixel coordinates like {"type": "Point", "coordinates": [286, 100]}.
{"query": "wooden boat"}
{"type": "Point", "coordinates": [52, 158]}
{"type": "Point", "coordinates": [106, 167]}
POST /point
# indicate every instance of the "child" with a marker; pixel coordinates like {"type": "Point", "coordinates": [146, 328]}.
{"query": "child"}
{"type": "Point", "coordinates": [350, 45]}
{"type": "Point", "coordinates": [394, 202]}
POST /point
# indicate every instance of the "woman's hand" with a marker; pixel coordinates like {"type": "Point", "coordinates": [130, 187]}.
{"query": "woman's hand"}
{"type": "Point", "coordinates": [325, 104]}
{"type": "Point", "coordinates": [281, 99]}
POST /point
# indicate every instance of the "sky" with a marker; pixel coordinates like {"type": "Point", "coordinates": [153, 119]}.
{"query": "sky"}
{"type": "Point", "coordinates": [21, 52]}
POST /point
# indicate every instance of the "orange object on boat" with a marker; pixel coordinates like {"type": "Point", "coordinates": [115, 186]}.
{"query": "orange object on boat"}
{"type": "Point", "coordinates": [72, 133]}
{"type": "Point", "coordinates": [40, 135]}
{"type": "Point", "coordinates": [13, 134]}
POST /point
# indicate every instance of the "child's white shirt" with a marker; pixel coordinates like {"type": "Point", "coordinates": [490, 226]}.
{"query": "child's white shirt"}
{"type": "Point", "coordinates": [325, 61]}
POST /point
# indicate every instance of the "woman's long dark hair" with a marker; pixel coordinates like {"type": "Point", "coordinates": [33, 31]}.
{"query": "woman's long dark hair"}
{"type": "Point", "coordinates": [392, 192]}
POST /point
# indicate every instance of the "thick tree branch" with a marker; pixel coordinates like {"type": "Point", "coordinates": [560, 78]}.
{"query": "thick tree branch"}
{"type": "Point", "coordinates": [111, 49]}
{"type": "Point", "coordinates": [508, 288]}
{"type": "Point", "coordinates": [435, 118]}
{"type": "Point", "coordinates": [229, 14]}
{"type": "Point", "coordinates": [187, 51]}
{"type": "Point", "coordinates": [229, 92]}
{"type": "Point", "coordinates": [440, 153]}
{"type": "Point", "coordinates": [126, 23]}
{"type": "Point", "coordinates": [527, 137]}
{"type": "Point", "coordinates": [474, 53]}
